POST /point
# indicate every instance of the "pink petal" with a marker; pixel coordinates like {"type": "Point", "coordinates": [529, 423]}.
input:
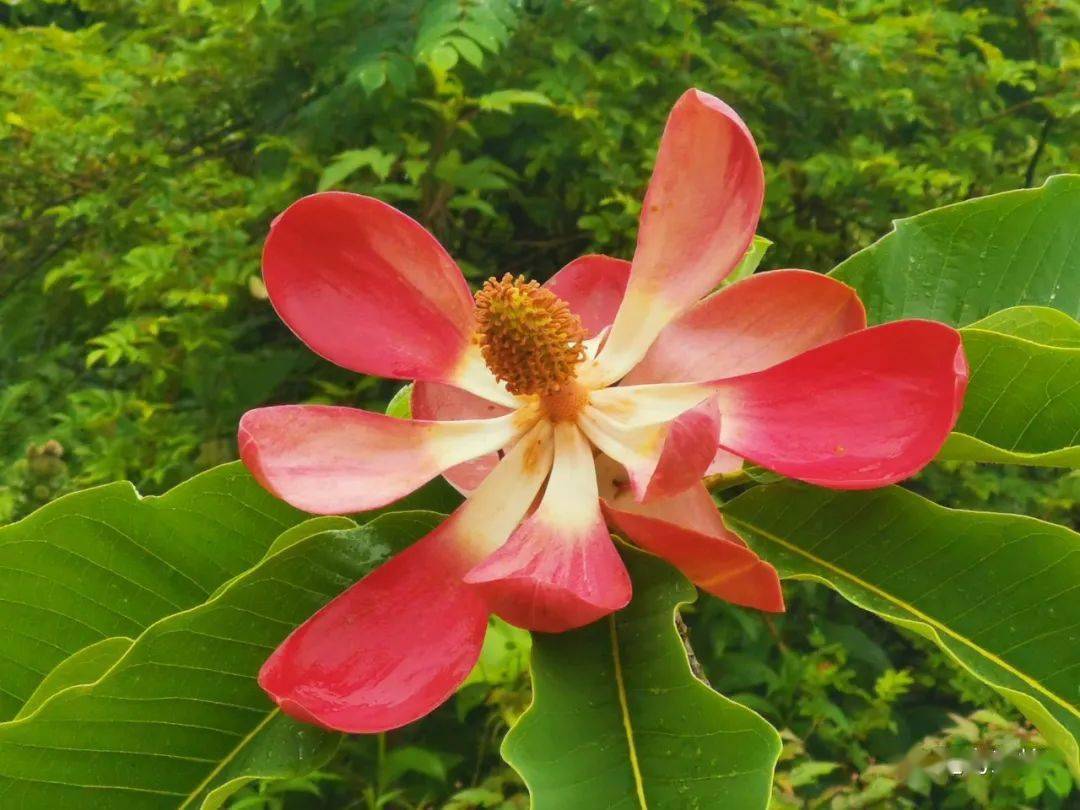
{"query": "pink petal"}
{"type": "Point", "coordinates": [388, 650]}
{"type": "Point", "coordinates": [559, 570]}
{"type": "Point", "coordinates": [662, 458]}
{"type": "Point", "coordinates": [593, 286]}
{"type": "Point", "coordinates": [697, 221]}
{"type": "Point", "coordinates": [335, 460]}
{"type": "Point", "coordinates": [368, 288]}
{"type": "Point", "coordinates": [688, 531]}
{"type": "Point", "coordinates": [398, 643]}
{"type": "Point", "coordinates": [688, 451]}
{"type": "Point", "coordinates": [751, 325]}
{"type": "Point", "coordinates": [723, 463]}
{"type": "Point", "coordinates": [867, 410]}
{"type": "Point", "coordinates": [439, 402]}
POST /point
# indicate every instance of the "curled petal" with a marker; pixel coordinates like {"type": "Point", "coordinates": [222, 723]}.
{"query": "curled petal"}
{"type": "Point", "coordinates": [697, 221]}
{"type": "Point", "coordinates": [593, 286]}
{"type": "Point", "coordinates": [336, 460]}
{"type": "Point", "coordinates": [368, 288]}
{"type": "Point", "coordinates": [714, 563]}
{"type": "Point", "coordinates": [751, 325]}
{"type": "Point", "coordinates": [662, 458]}
{"type": "Point", "coordinates": [387, 651]}
{"type": "Point", "coordinates": [439, 402]}
{"type": "Point", "coordinates": [559, 570]}
{"type": "Point", "coordinates": [867, 410]}
{"type": "Point", "coordinates": [688, 531]}
{"type": "Point", "coordinates": [693, 508]}
{"type": "Point", "coordinates": [641, 405]}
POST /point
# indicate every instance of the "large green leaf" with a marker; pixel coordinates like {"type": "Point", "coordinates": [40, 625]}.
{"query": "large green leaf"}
{"type": "Point", "coordinates": [1023, 405]}
{"type": "Point", "coordinates": [965, 261]}
{"type": "Point", "coordinates": [105, 562]}
{"type": "Point", "coordinates": [999, 593]}
{"type": "Point", "coordinates": [178, 719]}
{"type": "Point", "coordinates": [618, 720]}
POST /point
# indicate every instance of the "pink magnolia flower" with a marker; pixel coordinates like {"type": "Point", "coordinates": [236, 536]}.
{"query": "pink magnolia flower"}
{"type": "Point", "coordinates": [600, 399]}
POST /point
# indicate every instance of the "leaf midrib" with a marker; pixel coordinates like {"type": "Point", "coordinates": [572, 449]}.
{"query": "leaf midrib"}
{"type": "Point", "coordinates": [205, 783]}
{"type": "Point", "coordinates": [918, 614]}
{"type": "Point", "coordinates": [624, 708]}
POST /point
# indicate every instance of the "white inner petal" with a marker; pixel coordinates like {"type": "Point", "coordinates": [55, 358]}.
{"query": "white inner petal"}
{"type": "Point", "coordinates": [640, 405]}
{"type": "Point", "coordinates": [504, 497]}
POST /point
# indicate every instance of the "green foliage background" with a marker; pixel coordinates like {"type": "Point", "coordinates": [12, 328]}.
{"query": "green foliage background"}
{"type": "Point", "coordinates": [146, 146]}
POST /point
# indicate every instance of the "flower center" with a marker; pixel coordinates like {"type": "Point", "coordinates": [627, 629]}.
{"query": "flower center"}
{"type": "Point", "coordinates": [528, 336]}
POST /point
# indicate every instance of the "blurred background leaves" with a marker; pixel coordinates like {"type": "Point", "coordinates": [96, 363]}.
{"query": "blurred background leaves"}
{"type": "Point", "coordinates": [147, 145]}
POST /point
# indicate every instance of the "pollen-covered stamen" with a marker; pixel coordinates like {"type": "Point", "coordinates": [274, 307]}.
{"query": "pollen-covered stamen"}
{"type": "Point", "coordinates": [528, 336]}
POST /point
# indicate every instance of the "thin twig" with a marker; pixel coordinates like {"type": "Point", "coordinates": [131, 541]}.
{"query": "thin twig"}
{"type": "Point", "coordinates": [1044, 134]}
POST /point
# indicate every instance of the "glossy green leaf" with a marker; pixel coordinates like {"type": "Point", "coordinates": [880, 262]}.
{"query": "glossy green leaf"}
{"type": "Point", "coordinates": [1023, 404]}
{"type": "Point", "coordinates": [178, 720]}
{"type": "Point", "coordinates": [105, 562]}
{"type": "Point", "coordinates": [1051, 327]}
{"type": "Point", "coordinates": [85, 666]}
{"type": "Point", "coordinates": [320, 523]}
{"type": "Point", "coordinates": [619, 720]}
{"type": "Point", "coordinates": [998, 593]}
{"type": "Point", "coordinates": [963, 262]}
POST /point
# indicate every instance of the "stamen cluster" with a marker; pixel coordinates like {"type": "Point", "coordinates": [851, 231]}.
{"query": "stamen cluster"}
{"type": "Point", "coordinates": [528, 336]}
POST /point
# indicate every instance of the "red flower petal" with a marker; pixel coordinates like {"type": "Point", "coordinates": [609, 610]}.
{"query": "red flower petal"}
{"type": "Point", "coordinates": [559, 570]}
{"type": "Point", "coordinates": [688, 531]}
{"type": "Point", "coordinates": [867, 410]}
{"type": "Point", "coordinates": [368, 288]}
{"type": "Point", "coordinates": [689, 449]}
{"type": "Point", "coordinates": [697, 220]}
{"type": "Point", "coordinates": [335, 460]}
{"type": "Point", "coordinates": [388, 650]}
{"type": "Point", "coordinates": [438, 402]}
{"type": "Point", "coordinates": [751, 325]}
{"type": "Point", "coordinates": [593, 286]}
{"type": "Point", "coordinates": [398, 643]}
